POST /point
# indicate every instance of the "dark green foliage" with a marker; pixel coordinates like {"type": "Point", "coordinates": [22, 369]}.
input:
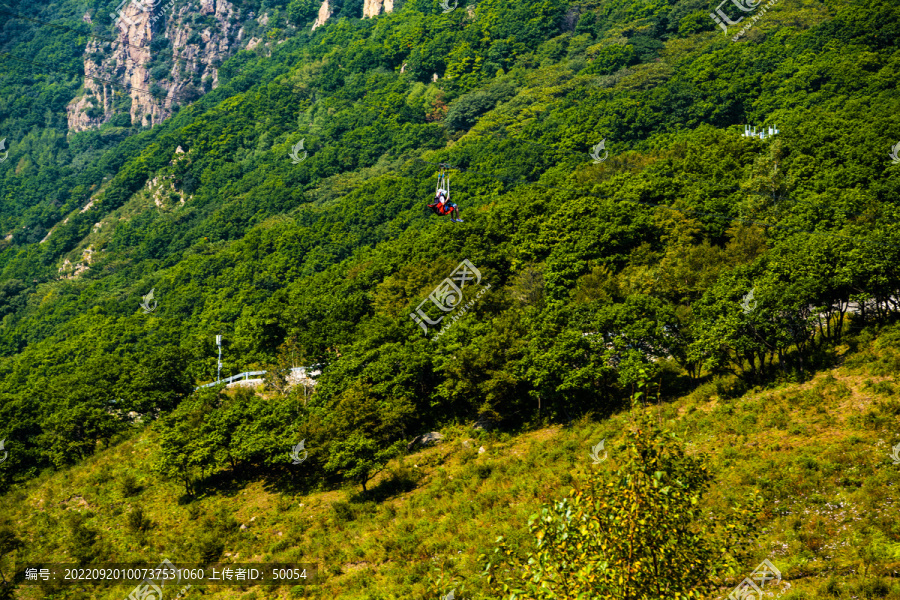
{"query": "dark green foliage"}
{"type": "Point", "coordinates": [209, 548]}
{"type": "Point", "coordinates": [8, 541]}
{"type": "Point", "coordinates": [13, 296]}
{"type": "Point", "coordinates": [586, 24]}
{"type": "Point", "coordinates": [9, 544]}
{"type": "Point", "coordinates": [217, 531]}
{"type": "Point", "coordinates": [689, 16]}
{"type": "Point", "coordinates": [129, 486]}
{"type": "Point", "coordinates": [343, 512]}
{"type": "Point", "coordinates": [82, 539]}
{"type": "Point", "coordinates": [832, 587]}
{"type": "Point", "coordinates": [596, 270]}
{"type": "Point", "coordinates": [874, 587]}
{"type": "Point", "coordinates": [464, 112]}
{"type": "Point", "coordinates": [645, 48]}
{"type": "Point", "coordinates": [302, 11]}
{"type": "Point", "coordinates": [136, 521]}
{"type": "Point", "coordinates": [483, 471]}
{"type": "Point", "coordinates": [158, 382]}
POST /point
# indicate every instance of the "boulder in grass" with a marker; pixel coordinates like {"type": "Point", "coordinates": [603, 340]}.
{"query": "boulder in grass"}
{"type": "Point", "coordinates": [484, 424]}
{"type": "Point", "coordinates": [432, 437]}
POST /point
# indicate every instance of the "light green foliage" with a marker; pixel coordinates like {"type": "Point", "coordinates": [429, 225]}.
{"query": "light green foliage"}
{"type": "Point", "coordinates": [464, 112]}
{"type": "Point", "coordinates": [364, 434]}
{"type": "Point", "coordinates": [607, 59]}
{"type": "Point", "coordinates": [640, 532]}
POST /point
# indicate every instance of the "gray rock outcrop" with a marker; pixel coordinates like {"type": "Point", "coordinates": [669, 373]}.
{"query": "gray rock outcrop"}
{"type": "Point", "coordinates": [427, 439]}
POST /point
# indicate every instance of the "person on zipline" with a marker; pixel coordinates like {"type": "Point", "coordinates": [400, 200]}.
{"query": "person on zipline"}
{"type": "Point", "coordinates": [445, 207]}
{"type": "Point", "coordinates": [442, 205]}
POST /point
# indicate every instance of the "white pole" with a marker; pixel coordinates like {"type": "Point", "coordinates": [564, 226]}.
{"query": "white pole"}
{"type": "Point", "coordinates": [219, 371]}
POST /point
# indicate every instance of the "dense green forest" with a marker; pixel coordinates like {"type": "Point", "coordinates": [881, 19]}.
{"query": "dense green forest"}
{"type": "Point", "coordinates": [595, 268]}
{"type": "Point", "coordinates": [690, 254]}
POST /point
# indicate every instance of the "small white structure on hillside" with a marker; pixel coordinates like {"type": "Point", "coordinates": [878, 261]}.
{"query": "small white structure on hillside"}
{"type": "Point", "coordinates": [297, 376]}
{"type": "Point", "coordinates": [765, 133]}
{"type": "Point", "coordinates": [300, 375]}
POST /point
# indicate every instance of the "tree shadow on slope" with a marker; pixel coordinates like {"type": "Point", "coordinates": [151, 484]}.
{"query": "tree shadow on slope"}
{"type": "Point", "coordinates": [397, 482]}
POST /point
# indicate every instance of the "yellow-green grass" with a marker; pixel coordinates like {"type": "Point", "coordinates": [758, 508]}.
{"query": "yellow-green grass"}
{"type": "Point", "coordinates": [818, 451]}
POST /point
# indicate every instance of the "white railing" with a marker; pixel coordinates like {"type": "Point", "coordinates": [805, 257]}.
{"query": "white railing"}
{"type": "Point", "coordinates": [296, 373]}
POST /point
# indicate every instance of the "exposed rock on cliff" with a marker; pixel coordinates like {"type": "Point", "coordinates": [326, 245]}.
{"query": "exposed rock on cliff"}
{"type": "Point", "coordinates": [167, 189]}
{"type": "Point", "coordinates": [324, 13]}
{"type": "Point", "coordinates": [163, 57]}
{"type": "Point", "coordinates": [68, 270]}
{"type": "Point", "coordinates": [372, 8]}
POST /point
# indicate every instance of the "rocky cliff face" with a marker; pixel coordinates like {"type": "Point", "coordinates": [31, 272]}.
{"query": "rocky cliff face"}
{"type": "Point", "coordinates": [163, 56]}
{"type": "Point", "coordinates": [372, 8]}
{"type": "Point", "coordinates": [324, 13]}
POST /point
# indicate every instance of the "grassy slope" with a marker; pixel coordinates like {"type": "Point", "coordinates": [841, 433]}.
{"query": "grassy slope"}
{"type": "Point", "coordinates": [819, 451]}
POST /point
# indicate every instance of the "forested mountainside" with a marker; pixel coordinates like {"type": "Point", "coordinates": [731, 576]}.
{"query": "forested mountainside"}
{"type": "Point", "coordinates": [260, 170]}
